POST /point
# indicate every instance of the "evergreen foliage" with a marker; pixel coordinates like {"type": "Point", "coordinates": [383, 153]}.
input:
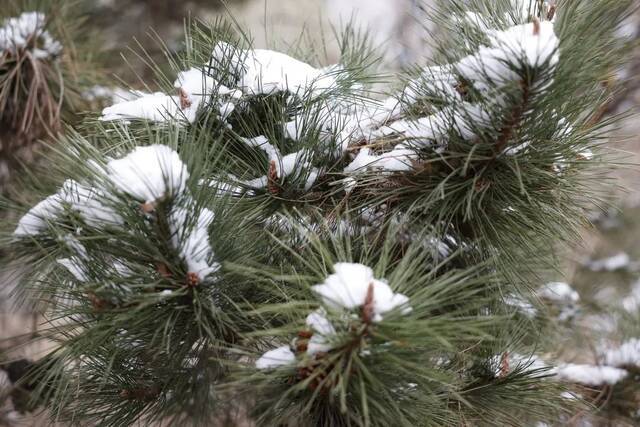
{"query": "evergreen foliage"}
{"type": "Point", "coordinates": [269, 240]}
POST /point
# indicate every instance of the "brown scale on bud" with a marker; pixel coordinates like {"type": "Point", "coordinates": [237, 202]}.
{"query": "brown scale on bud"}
{"type": "Point", "coordinates": [272, 178]}
{"type": "Point", "coordinates": [319, 381]}
{"type": "Point", "coordinates": [301, 346]}
{"type": "Point", "coordinates": [367, 307]}
{"type": "Point", "coordinates": [305, 334]}
{"type": "Point", "coordinates": [536, 26]}
{"type": "Point", "coordinates": [140, 393]}
{"type": "Point", "coordinates": [504, 365]}
{"type": "Point", "coordinates": [148, 207]}
{"type": "Point", "coordinates": [462, 88]}
{"type": "Point", "coordinates": [163, 269]}
{"type": "Point", "coordinates": [552, 12]}
{"type": "Point", "coordinates": [97, 302]}
{"type": "Point", "coordinates": [192, 280]}
{"type": "Point", "coordinates": [185, 102]}
{"type": "Point", "coordinates": [481, 184]}
{"type": "Point", "coordinates": [302, 342]}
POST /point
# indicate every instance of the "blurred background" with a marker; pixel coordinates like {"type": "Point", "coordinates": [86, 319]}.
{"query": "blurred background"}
{"type": "Point", "coordinates": [604, 269]}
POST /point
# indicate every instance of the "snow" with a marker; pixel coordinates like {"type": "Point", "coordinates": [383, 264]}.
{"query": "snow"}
{"type": "Point", "coordinates": [631, 303]}
{"type": "Point", "coordinates": [475, 20]}
{"type": "Point", "coordinates": [192, 240]}
{"type": "Point", "coordinates": [522, 305]}
{"type": "Point", "coordinates": [265, 71]}
{"type": "Point", "coordinates": [463, 119]}
{"type": "Point", "coordinates": [518, 45]}
{"type": "Point", "coordinates": [419, 133]}
{"type": "Point", "coordinates": [296, 163]}
{"type": "Point", "coordinates": [492, 66]}
{"type": "Point", "coordinates": [363, 159]}
{"type": "Point", "coordinates": [113, 94]}
{"type": "Point", "coordinates": [616, 262]}
{"type": "Point", "coordinates": [529, 362]}
{"type": "Point", "coordinates": [281, 356]}
{"type": "Point", "coordinates": [74, 244]}
{"type": "Point", "coordinates": [146, 173]}
{"type": "Point", "coordinates": [590, 375]}
{"type": "Point", "coordinates": [81, 199]}
{"type": "Point", "coordinates": [149, 173]}
{"type": "Point", "coordinates": [323, 329]}
{"type": "Point", "coordinates": [537, 44]}
{"type": "Point", "coordinates": [558, 292]}
{"type": "Point", "coordinates": [272, 152]}
{"type": "Point", "coordinates": [585, 154]}
{"type": "Point", "coordinates": [422, 131]}
{"type": "Point", "coordinates": [627, 355]}
{"type": "Point", "coordinates": [27, 31]}
{"type": "Point", "coordinates": [89, 203]}
{"type": "Point", "coordinates": [74, 266]}
{"type": "Point", "coordinates": [439, 80]}
{"type": "Point", "coordinates": [35, 221]}
{"type": "Point", "coordinates": [156, 107]}
{"type": "Point", "coordinates": [348, 288]}
{"type": "Point", "coordinates": [194, 86]}
{"type": "Point", "coordinates": [431, 131]}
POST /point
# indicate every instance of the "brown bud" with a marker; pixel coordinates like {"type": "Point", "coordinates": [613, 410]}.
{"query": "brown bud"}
{"type": "Point", "coordinates": [185, 102]}
{"type": "Point", "coordinates": [367, 308]}
{"type": "Point", "coordinates": [163, 270]}
{"type": "Point", "coordinates": [148, 207]}
{"type": "Point", "coordinates": [462, 88]}
{"type": "Point", "coordinates": [192, 280]}
{"type": "Point", "coordinates": [140, 393]}
{"type": "Point", "coordinates": [481, 184]}
{"type": "Point", "coordinates": [504, 365]}
{"type": "Point", "coordinates": [305, 334]}
{"type": "Point", "coordinates": [97, 302]}
{"type": "Point", "coordinates": [272, 178]}
{"type": "Point", "coordinates": [536, 26]}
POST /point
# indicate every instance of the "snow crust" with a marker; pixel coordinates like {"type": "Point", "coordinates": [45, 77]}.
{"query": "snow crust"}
{"type": "Point", "coordinates": [149, 173]}
{"type": "Point", "coordinates": [264, 71]}
{"type": "Point", "coordinates": [281, 356]}
{"type": "Point", "coordinates": [323, 331]}
{"type": "Point", "coordinates": [192, 241]}
{"type": "Point", "coordinates": [85, 201]}
{"type": "Point", "coordinates": [156, 107]}
{"type": "Point", "coordinates": [348, 287]}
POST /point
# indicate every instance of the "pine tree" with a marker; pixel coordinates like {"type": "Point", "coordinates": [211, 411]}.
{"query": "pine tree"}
{"type": "Point", "coordinates": [272, 241]}
{"type": "Point", "coordinates": [43, 74]}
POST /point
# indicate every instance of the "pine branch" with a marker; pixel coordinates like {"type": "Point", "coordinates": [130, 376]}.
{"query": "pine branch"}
{"type": "Point", "coordinates": [270, 235]}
